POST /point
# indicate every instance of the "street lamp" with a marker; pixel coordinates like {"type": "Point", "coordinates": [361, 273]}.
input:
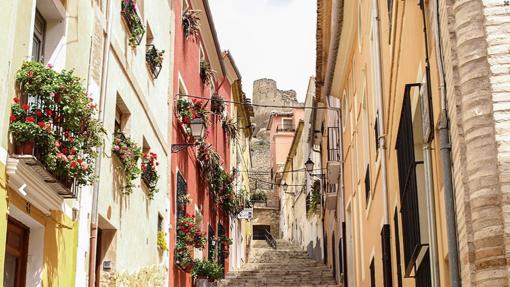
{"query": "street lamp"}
{"type": "Point", "coordinates": [309, 165]}
{"type": "Point", "coordinates": [284, 186]}
{"type": "Point", "coordinates": [197, 126]}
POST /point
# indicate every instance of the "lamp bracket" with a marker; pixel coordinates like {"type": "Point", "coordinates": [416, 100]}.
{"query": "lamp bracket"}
{"type": "Point", "coordinates": [179, 147]}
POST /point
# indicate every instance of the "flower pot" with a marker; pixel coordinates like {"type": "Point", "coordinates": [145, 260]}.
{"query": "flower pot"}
{"type": "Point", "coordinates": [26, 148]}
{"type": "Point", "coordinates": [201, 282]}
{"type": "Point", "coordinates": [211, 280]}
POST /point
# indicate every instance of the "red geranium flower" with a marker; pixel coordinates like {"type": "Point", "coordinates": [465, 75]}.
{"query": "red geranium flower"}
{"type": "Point", "coordinates": [16, 100]}
{"type": "Point", "coordinates": [38, 113]}
{"type": "Point", "coordinates": [42, 125]}
{"type": "Point", "coordinates": [73, 164]}
{"type": "Point", "coordinates": [30, 119]}
{"type": "Point", "coordinates": [25, 107]}
{"type": "Point", "coordinates": [12, 118]}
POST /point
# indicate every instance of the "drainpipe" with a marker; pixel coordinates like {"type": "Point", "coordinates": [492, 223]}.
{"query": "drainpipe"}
{"type": "Point", "coordinates": [444, 137]}
{"type": "Point", "coordinates": [429, 184]}
{"type": "Point", "coordinates": [336, 32]}
{"type": "Point", "coordinates": [380, 109]}
{"type": "Point", "coordinates": [95, 195]}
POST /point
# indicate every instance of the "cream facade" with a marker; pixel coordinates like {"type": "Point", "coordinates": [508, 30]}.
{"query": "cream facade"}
{"type": "Point", "coordinates": [380, 66]}
{"type": "Point", "coordinates": [92, 39]}
{"type": "Point", "coordinates": [301, 209]}
{"type": "Point", "coordinates": [240, 157]}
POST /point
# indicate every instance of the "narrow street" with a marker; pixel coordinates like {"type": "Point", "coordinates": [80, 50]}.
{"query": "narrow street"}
{"type": "Point", "coordinates": [287, 265]}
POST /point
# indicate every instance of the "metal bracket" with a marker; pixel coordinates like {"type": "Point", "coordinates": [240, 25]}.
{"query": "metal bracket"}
{"type": "Point", "coordinates": [179, 147]}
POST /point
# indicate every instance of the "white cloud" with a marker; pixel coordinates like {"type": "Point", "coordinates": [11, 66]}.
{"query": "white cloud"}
{"type": "Point", "coordinates": [269, 39]}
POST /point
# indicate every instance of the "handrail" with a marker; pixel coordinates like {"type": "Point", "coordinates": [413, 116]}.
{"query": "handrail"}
{"type": "Point", "coordinates": [270, 239]}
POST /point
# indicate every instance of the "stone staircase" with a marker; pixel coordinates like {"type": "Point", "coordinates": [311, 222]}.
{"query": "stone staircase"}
{"type": "Point", "coordinates": [286, 266]}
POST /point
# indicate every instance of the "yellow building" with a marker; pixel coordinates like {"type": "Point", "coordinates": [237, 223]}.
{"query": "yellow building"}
{"type": "Point", "coordinates": [376, 62]}
{"type": "Point", "coordinates": [41, 226]}
{"type": "Point", "coordinates": [240, 158]}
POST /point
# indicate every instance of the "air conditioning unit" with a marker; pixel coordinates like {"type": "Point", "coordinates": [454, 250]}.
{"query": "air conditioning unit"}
{"type": "Point", "coordinates": [333, 172]}
{"type": "Point", "coordinates": [331, 200]}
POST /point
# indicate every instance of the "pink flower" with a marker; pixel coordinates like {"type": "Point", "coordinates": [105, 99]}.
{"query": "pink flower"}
{"type": "Point", "coordinates": [50, 66]}
{"type": "Point", "coordinates": [83, 165]}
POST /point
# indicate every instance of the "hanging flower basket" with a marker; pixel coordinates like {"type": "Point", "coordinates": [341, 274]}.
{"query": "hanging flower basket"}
{"type": "Point", "coordinates": [186, 111]}
{"type": "Point", "coordinates": [150, 175]}
{"type": "Point", "coordinates": [191, 24]}
{"type": "Point", "coordinates": [133, 21]}
{"type": "Point", "coordinates": [206, 72]}
{"type": "Point", "coordinates": [217, 105]}
{"type": "Point", "coordinates": [128, 153]}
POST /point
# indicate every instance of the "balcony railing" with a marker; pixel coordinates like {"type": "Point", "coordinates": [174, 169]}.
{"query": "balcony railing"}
{"type": "Point", "coordinates": [38, 159]}
{"type": "Point", "coordinates": [333, 144]}
{"type": "Point", "coordinates": [285, 129]}
{"type": "Point", "coordinates": [154, 59]}
{"type": "Point", "coordinates": [134, 22]}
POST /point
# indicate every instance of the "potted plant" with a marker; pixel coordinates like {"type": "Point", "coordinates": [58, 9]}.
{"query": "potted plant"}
{"type": "Point", "coordinates": [24, 128]}
{"type": "Point", "coordinates": [183, 258]}
{"type": "Point", "coordinates": [217, 105]}
{"type": "Point", "coordinates": [128, 152]}
{"type": "Point", "coordinates": [162, 245]}
{"type": "Point", "coordinates": [205, 269]}
{"type": "Point", "coordinates": [154, 59]}
{"type": "Point", "coordinates": [206, 72]}
{"type": "Point", "coordinates": [199, 239]}
{"type": "Point", "coordinates": [136, 29]}
{"type": "Point", "coordinates": [150, 175]}
{"type": "Point", "coordinates": [230, 128]}
{"type": "Point", "coordinates": [191, 24]}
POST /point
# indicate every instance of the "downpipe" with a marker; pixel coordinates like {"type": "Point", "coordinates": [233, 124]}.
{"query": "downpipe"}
{"type": "Point", "coordinates": [95, 195]}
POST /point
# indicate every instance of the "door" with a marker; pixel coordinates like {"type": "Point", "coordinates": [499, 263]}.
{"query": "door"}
{"type": "Point", "coordinates": [16, 251]}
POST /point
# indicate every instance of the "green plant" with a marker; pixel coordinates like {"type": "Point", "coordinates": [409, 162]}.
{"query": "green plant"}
{"type": "Point", "coordinates": [189, 110]}
{"type": "Point", "coordinates": [162, 245]}
{"type": "Point", "coordinates": [182, 256]}
{"type": "Point", "coordinates": [191, 24]}
{"type": "Point", "coordinates": [128, 153]}
{"type": "Point", "coordinates": [134, 22]}
{"type": "Point", "coordinates": [230, 128]}
{"type": "Point", "coordinates": [206, 268]}
{"type": "Point", "coordinates": [314, 199]}
{"type": "Point", "coordinates": [206, 72]}
{"type": "Point", "coordinates": [259, 197]}
{"type": "Point", "coordinates": [217, 105]}
{"type": "Point", "coordinates": [60, 119]}
{"type": "Point", "coordinates": [149, 173]}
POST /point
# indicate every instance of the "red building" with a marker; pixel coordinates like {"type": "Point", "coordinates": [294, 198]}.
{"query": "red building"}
{"type": "Point", "coordinates": [199, 73]}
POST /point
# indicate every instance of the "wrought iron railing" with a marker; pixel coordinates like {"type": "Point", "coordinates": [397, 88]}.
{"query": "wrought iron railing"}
{"type": "Point", "coordinates": [333, 144]}
{"type": "Point", "coordinates": [134, 22]}
{"type": "Point", "coordinates": [270, 239]}
{"type": "Point", "coordinates": [154, 59]}
{"type": "Point", "coordinates": [42, 149]}
{"type": "Point", "coordinates": [285, 129]}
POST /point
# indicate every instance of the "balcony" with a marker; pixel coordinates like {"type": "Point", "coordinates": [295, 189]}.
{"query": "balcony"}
{"type": "Point", "coordinates": [154, 59]}
{"type": "Point", "coordinates": [333, 155]}
{"type": "Point", "coordinates": [285, 129]}
{"type": "Point", "coordinates": [133, 21]}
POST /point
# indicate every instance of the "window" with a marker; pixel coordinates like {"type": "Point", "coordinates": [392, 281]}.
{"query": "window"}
{"type": "Point", "coordinates": [121, 115]}
{"type": "Point", "coordinates": [39, 37]}
{"type": "Point", "coordinates": [372, 273]}
{"type": "Point", "coordinates": [367, 185]}
{"type": "Point", "coordinates": [409, 147]}
{"type": "Point", "coordinates": [210, 243]}
{"type": "Point", "coordinates": [397, 248]}
{"type": "Point", "coordinates": [182, 196]}
{"type": "Point", "coordinates": [390, 16]}
{"type": "Point", "coordinates": [376, 134]}
{"type": "Point", "coordinates": [386, 256]}
{"type": "Point", "coordinates": [160, 222]}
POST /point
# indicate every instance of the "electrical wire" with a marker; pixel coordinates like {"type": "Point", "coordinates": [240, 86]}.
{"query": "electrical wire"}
{"type": "Point", "coordinates": [263, 106]}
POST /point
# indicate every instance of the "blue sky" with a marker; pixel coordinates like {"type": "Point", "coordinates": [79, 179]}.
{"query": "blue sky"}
{"type": "Point", "coordinates": [269, 39]}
